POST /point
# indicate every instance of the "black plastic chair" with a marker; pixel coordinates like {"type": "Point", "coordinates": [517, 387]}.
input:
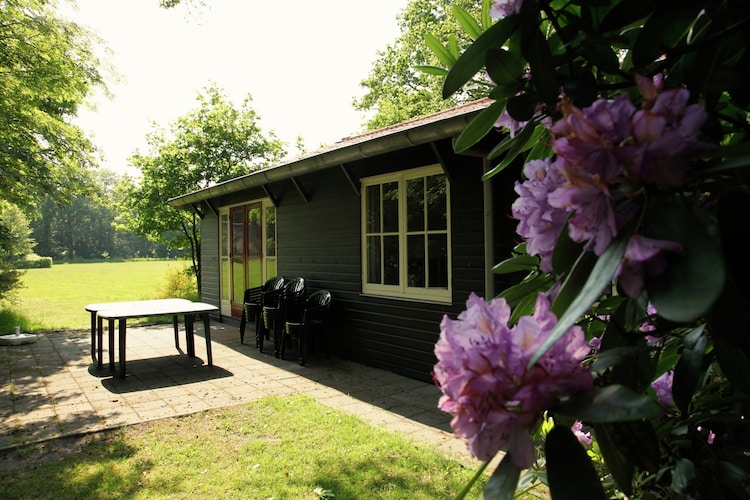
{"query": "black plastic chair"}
{"type": "Point", "coordinates": [275, 305]}
{"type": "Point", "coordinates": [269, 294]}
{"type": "Point", "coordinates": [313, 317]}
{"type": "Point", "coordinates": [250, 311]}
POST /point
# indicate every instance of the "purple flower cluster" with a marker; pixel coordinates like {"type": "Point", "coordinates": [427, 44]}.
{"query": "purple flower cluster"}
{"type": "Point", "coordinates": [505, 8]}
{"type": "Point", "coordinates": [494, 398]}
{"type": "Point", "coordinates": [662, 386]}
{"type": "Point", "coordinates": [604, 155]}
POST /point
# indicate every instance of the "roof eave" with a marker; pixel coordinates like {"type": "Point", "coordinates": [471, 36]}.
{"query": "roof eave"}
{"type": "Point", "coordinates": [418, 132]}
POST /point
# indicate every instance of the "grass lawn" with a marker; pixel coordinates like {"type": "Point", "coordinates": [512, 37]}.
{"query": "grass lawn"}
{"type": "Point", "coordinates": [55, 298]}
{"type": "Point", "coordinates": [291, 448]}
{"type": "Point", "coordinates": [280, 448]}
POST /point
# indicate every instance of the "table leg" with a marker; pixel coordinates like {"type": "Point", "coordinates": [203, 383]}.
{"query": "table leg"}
{"type": "Point", "coordinates": [190, 334]}
{"type": "Point", "coordinates": [111, 333]}
{"type": "Point", "coordinates": [100, 335]}
{"type": "Point", "coordinates": [123, 326]}
{"type": "Point", "coordinates": [176, 332]}
{"type": "Point", "coordinates": [93, 339]}
{"type": "Point", "coordinates": [207, 333]}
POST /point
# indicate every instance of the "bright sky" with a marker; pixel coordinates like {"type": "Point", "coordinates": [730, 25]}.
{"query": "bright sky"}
{"type": "Point", "coordinates": [300, 60]}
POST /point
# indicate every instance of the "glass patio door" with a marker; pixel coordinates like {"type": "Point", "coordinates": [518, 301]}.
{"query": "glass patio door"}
{"type": "Point", "coordinates": [250, 238]}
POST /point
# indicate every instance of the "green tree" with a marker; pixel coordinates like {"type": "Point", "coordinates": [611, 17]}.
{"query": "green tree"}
{"type": "Point", "coordinates": [84, 227]}
{"type": "Point", "coordinates": [47, 70]}
{"type": "Point", "coordinates": [210, 144]}
{"type": "Point", "coordinates": [400, 86]}
{"type": "Point", "coordinates": [15, 242]}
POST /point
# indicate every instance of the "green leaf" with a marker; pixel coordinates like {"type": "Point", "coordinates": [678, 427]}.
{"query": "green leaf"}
{"type": "Point", "coordinates": [625, 14]}
{"type": "Point", "coordinates": [542, 66]}
{"type": "Point", "coordinates": [527, 288]}
{"type": "Point", "coordinates": [570, 473]}
{"type": "Point", "coordinates": [522, 107]}
{"type": "Point", "coordinates": [503, 482]}
{"type": "Point", "coordinates": [601, 276]}
{"type": "Point", "coordinates": [693, 280]}
{"type": "Point", "coordinates": [504, 68]}
{"type": "Point", "coordinates": [612, 403]}
{"type": "Point", "coordinates": [601, 55]}
{"type": "Point", "coordinates": [516, 263]}
{"type": "Point", "coordinates": [688, 372]}
{"type": "Point", "coordinates": [524, 140]}
{"type": "Point", "coordinates": [432, 70]}
{"type": "Point", "coordinates": [467, 22]}
{"type": "Point", "coordinates": [440, 51]}
{"type": "Point", "coordinates": [566, 252]}
{"type": "Point", "coordinates": [485, 16]}
{"type": "Point", "coordinates": [472, 60]}
{"type": "Point", "coordinates": [479, 126]}
{"type": "Point", "coordinates": [575, 282]}
{"type": "Point", "coordinates": [618, 464]}
{"type": "Point", "coordinates": [663, 30]}
{"type": "Point", "coordinates": [734, 364]}
{"type": "Point", "coordinates": [683, 474]}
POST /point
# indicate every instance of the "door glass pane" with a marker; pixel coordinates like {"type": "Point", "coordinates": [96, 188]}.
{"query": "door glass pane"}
{"type": "Point", "coordinates": [238, 255]}
{"type": "Point", "coordinates": [270, 234]}
{"type": "Point", "coordinates": [436, 203]}
{"type": "Point", "coordinates": [437, 252]}
{"type": "Point", "coordinates": [271, 269]}
{"type": "Point", "coordinates": [226, 265]}
{"type": "Point", "coordinates": [254, 247]}
{"type": "Point", "coordinates": [415, 205]}
{"type": "Point", "coordinates": [390, 207]}
{"type": "Point", "coordinates": [390, 260]}
{"type": "Point", "coordinates": [372, 202]}
{"type": "Point", "coordinates": [373, 259]}
{"type": "Point", "coordinates": [416, 253]}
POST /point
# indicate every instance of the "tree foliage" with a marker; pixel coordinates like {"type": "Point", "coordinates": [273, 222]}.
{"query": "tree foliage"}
{"type": "Point", "coordinates": [406, 79]}
{"type": "Point", "coordinates": [84, 227]}
{"type": "Point", "coordinates": [47, 70]}
{"type": "Point", "coordinates": [15, 242]}
{"type": "Point", "coordinates": [212, 143]}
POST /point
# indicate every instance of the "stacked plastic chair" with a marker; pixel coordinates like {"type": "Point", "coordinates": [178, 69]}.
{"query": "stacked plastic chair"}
{"type": "Point", "coordinates": [313, 319]}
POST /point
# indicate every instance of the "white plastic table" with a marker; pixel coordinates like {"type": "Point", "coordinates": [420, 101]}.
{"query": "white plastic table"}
{"type": "Point", "coordinates": [122, 311]}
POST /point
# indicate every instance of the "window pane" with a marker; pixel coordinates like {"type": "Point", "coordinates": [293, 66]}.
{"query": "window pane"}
{"type": "Point", "coordinates": [437, 250]}
{"type": "Point", "coordinates": [415, 250]}
{"type": "Point", "coordinates": [254, 242]}
{"type": "Point", "coordinates": [415, 205]}
{"type": "Point", "coordinates": [373, 209]}
{"type": "Point", "coordinates": [271, 233]}
{"type": "Point", "coordinates": [373, 259]}
{"type": "Point", "coordinates": [390, 207]}
{"type": "Point", "coordinates": [225, 235]}
{"type": "Point", "coordinates": [390, 260]}
{"type": "Point", "coordinates": [436, 203]}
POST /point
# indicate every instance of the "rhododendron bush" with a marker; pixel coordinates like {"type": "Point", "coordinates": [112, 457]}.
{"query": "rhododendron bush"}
{"type": "Point", "coordinates": [619, 365]}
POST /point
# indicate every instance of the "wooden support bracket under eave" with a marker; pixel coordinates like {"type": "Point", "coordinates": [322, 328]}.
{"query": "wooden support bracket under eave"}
{"type": "Point", "coordinates": [300, 190]}
{"type": "Point", "coordinates": [270, 195]}
{"type": "Point", "coordinates": [350, 179]}
{"type": "Point", "coordinates": [442, 162]}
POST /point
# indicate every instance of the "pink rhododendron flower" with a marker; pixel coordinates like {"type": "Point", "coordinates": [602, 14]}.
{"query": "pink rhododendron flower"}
{"type": "Point", "coordinates": [495, 400]}
{"type": "Point", "coordinates": [662, 386]}
{"type": "Point", "coordinates": [604, 155]}
{"type": "Point", "coordinates": [583, 437]}
{"type": "Point", "coordinates": [540, 223]}
{"type": "Point", "coordinates": [505, 8]}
